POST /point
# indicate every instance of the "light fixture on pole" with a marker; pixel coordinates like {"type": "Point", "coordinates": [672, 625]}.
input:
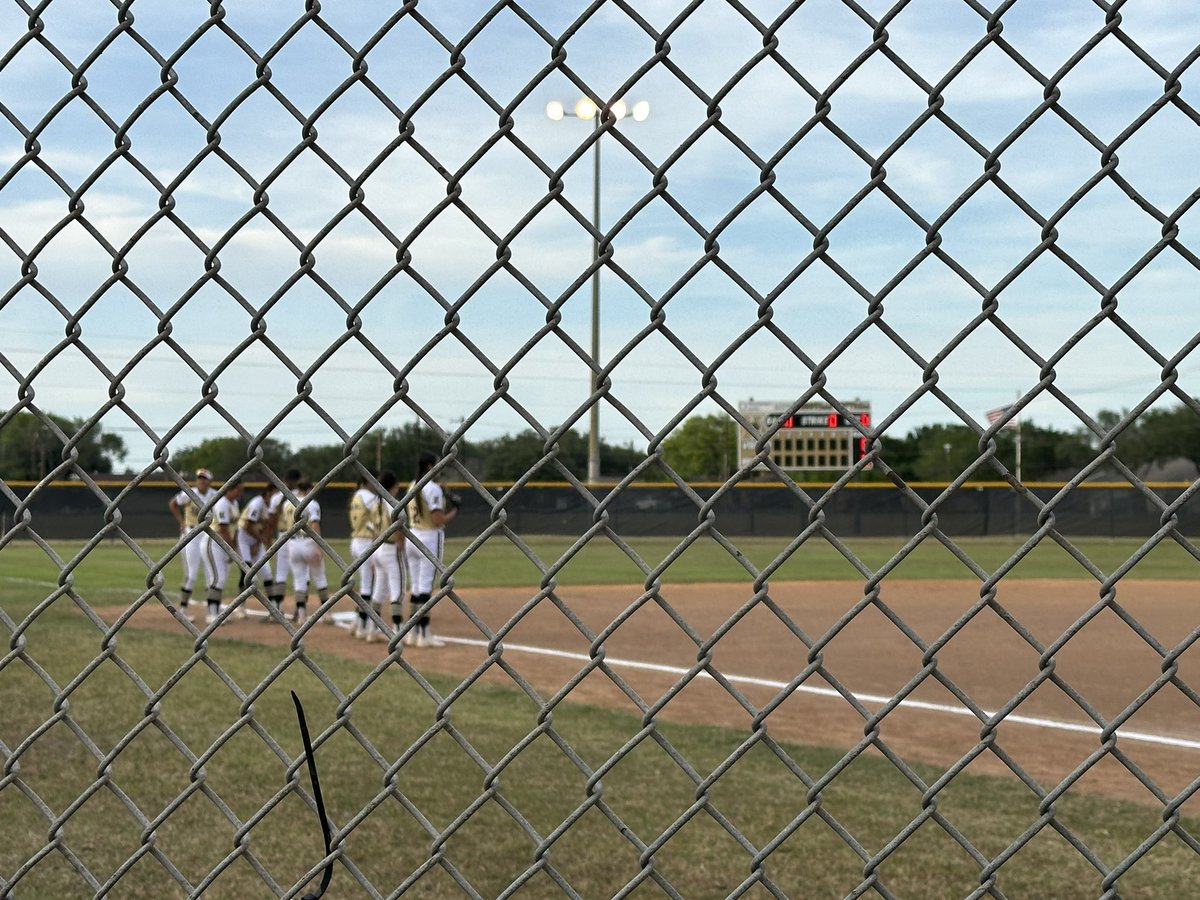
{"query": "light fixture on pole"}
{"type": "Point", "coordinates": [586, 109]}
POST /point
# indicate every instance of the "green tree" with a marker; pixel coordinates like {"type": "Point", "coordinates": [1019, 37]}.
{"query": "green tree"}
{"type": "Point", "coordinates": [318, 460]}
{"type": "Point", "coordinates": [942, 452]}
{"type": "Point", "coordinates": [510, 456]}
{"type": "Point", "coordinates": [30, 448]}
{"type": "Point", "coordinates": [226, 455]}
{"type": "Point", "coordinates": [396, 449]}
{"type": "Point", "coordinates": [703, 448]}
{"type": "Point", "coordinates": [617, 461]}
{"type": "Point", "coordinates": [1046, 453]}
{"type": "Point", "coordinates": [1159, 435]}
{"type": "Point", "coordinates": [400, 448]}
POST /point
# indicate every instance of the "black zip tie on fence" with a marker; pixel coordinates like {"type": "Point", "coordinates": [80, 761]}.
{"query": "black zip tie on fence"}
{"type": "Point", "coordinates": [316, 783]}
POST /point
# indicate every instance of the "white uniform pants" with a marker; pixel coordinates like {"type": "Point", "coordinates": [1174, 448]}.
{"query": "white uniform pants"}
{"type": "Point", "coordinates": [252, 551]}
{"type": "Point", "coordinates": [389, 575]}
{"type": "Point", "coordinates": [283, 562]}
{"type": "Point", "coordinates": [360, 547]}
{"type": "Point", "coordinates": [421, 570]}
{"type": "Point", "coordinates": [193, 560]}
{"type": "Point", "coordinates": [218, 563]}
{"type": "Point", "coordinates": [308, 564]}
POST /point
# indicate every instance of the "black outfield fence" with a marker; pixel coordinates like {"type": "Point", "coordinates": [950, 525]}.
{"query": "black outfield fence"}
{"type": "Point", "coordinates": [70, 510]}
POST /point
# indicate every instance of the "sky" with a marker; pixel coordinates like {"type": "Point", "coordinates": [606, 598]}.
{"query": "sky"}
{"type": "Point", "coordinates": [700, 251]}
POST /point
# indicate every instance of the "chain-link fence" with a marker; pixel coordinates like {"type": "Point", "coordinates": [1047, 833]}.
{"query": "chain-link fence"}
{"type": "Point", "coordinates": [304, 223]}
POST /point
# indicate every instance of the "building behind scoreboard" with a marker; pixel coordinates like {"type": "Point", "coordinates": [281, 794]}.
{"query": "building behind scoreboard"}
{"type": "Point", "coordinates": [815, 437]}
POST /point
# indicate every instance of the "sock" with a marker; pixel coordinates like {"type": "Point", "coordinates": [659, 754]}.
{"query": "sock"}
{"type": "Point", "coordinates": [241, 581]}
{"type": "Point", "coordinates": [397, 614]}
{"type": "Point", "coordinates": [214, 600]}
{"type": "Point", "coordinates": [323, 594]}
{"type": "Point", "coordinates": [418, 601]}
{"type": "Point", "coordinates": [275, 594]}
{"type": "Point", "coordinates": [362, 612]}
{"type": "Point", "coordinates": [302, 599]}
{"type": "Point", "coordinates": [185, 597]}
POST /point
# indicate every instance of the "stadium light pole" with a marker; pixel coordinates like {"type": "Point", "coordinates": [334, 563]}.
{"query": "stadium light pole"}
{"type": "Point", "coordinates": [586, 109]}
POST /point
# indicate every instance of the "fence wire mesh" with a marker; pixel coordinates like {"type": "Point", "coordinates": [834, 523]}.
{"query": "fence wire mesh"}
{"type": "Point", "coordinates": [119, 213]}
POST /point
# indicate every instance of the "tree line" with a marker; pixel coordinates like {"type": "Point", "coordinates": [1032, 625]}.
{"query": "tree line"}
{"type": "Point", "coordinates": [499, 459]}
{"type": "Point", "coordinates": [702, 448]}
{"type": "Point", "coordinates": [31, 448]}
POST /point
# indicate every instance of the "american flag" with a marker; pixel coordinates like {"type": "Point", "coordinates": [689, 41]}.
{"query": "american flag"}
{"type": "Point", "coordinates": [995, 415]}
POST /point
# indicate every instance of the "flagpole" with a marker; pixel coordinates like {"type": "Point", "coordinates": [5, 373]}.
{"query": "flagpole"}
{"type": "Point", "coordinates": [1017, 496]}
{"type": "Point", "coordinates": [1012, 418]}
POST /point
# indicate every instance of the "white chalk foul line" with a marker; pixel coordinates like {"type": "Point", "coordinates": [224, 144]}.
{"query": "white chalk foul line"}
{"type": "Point", "coordinates": [33, 581]}
{"type": "Point", "coordinates": [54, 585]}
{"type": "Point", "coordinates": [345, 620]}
{"type": "Point", "coordinates": [1035, 721]}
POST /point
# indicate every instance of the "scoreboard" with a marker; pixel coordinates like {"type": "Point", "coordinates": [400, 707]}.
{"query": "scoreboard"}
{"type": "Point", "coordinates": [812, 438]}
{"type": "Point", "coordinates": [830, 419]}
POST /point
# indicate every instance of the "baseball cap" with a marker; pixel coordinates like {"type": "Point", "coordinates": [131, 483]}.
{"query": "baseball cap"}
{"type": "Point", "coordinates": [204, 473]}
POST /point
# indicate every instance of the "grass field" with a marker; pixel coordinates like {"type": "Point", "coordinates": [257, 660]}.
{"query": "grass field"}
{"type": "Point", "coordinates": [112, 568]}
{"type": "Point", "coordinates": [469, 760]}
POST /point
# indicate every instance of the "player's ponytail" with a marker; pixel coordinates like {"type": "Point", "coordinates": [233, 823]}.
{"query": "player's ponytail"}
{"type": "Point", "coordinates": [426, 461]}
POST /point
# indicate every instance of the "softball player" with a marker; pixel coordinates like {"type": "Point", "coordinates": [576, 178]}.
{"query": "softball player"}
{"type": "Point", "coordinates": [282, 558]}
{"type": "Point", "coordinates": [218, 559]}
{"type": "Point", "coordinates": [389, 574]}
{"type": "Point", "coordinates": [185, 507]}
{"type": "Point", "coordinates": [253, 528]}
{"type": "Point", "coordinates": [308, 562]}
{"type": "Point", "coordinates": [363, 528]}
{"type": "Point", "coordinates": [427, 518]}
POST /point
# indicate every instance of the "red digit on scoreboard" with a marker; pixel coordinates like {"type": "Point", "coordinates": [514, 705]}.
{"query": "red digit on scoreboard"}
{"type": "Point", "coordinates": [865, 418]}
{"type": "Point", "coordinates": [831, 420]}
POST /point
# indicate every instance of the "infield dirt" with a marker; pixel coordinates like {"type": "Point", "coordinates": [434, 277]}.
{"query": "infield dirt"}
{"type": "Point", "coordinates": [1104, 666]}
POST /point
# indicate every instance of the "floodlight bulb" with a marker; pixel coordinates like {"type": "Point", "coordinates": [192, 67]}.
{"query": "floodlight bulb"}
{"type": "Point", "coordinates": [585, 108]}
{"type": "Point", "coordinates": [641, 110]}
{"type": "Point", "coordinates": [619, 109]}
{"type": "Point", "coordinates": [554, 110]}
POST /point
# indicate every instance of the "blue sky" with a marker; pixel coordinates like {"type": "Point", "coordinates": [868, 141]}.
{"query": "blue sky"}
{"type": "Point", "coordinates": [1106, 232]}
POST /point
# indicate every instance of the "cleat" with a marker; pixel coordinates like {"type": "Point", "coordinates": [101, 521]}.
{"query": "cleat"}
{"type": "Point", "coordinates": [301, 616]}
{"type": "Point", "coordinates": [431, 641]}
{"type": "Point", "coordinates": [410, 639]}
{"type": "Point", "coordinates": [210, 618]}
{"type": "Point", "coordinates": [376, 637]}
